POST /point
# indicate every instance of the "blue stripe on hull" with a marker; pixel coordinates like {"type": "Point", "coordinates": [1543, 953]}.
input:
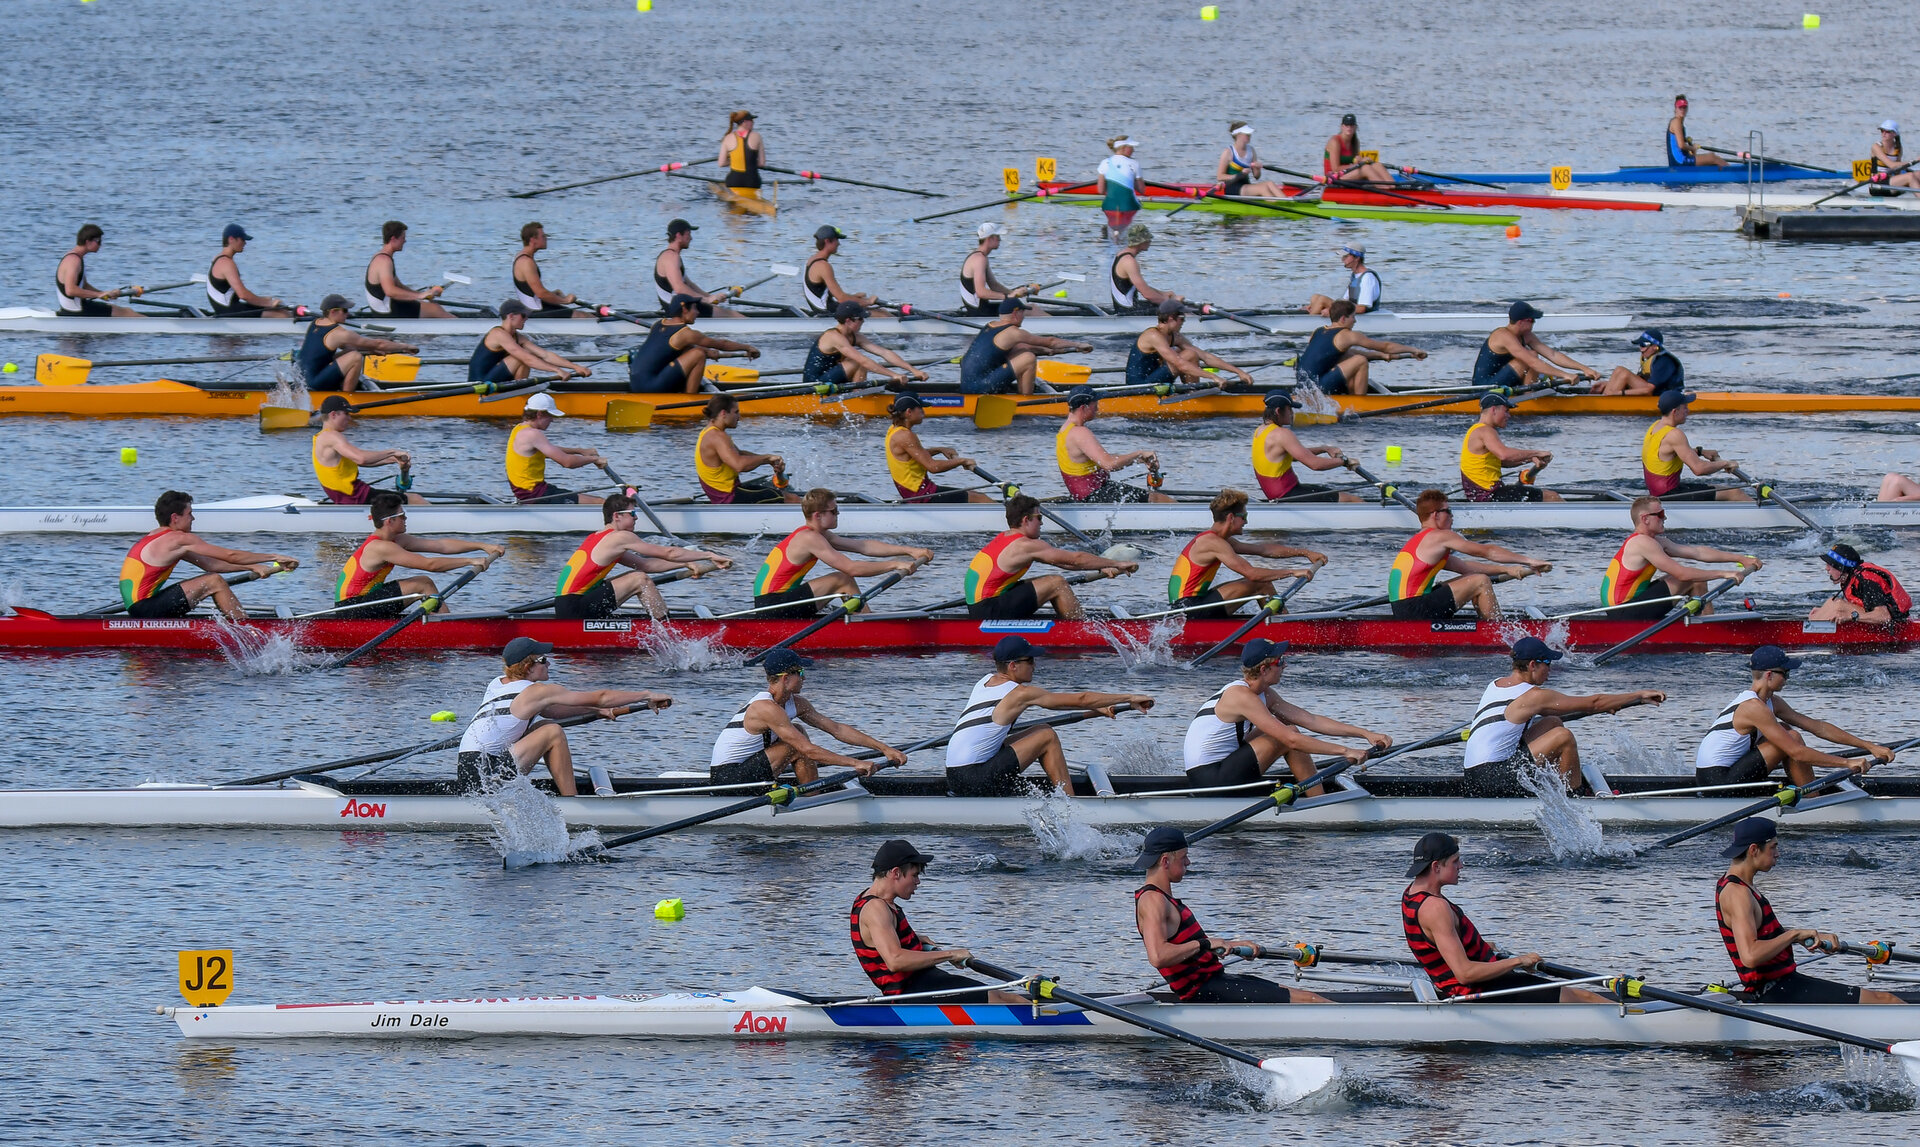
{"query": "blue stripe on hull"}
{"type": "Point", "coordinates": [931, 1015]}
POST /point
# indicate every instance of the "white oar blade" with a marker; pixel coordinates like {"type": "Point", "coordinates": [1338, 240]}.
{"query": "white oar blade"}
{"type": "Point", "coordinates": [1121, 553]}
{"type": "Point", "coordinates": [1296, 1077]}
{"type": "Point", "coordinates": [457, 277]}
{"type": "Point", "coordinates": [1907, 1055]}
{"type": "Point", "coordinates": [784, 269]}
{"type": "Point", "coordinates": [1070, 277]}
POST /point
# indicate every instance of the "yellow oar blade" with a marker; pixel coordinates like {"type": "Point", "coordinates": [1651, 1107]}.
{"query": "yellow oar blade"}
{"type": "Point", "coordinates": [993, 411]}
{"type": "Point", "coordinates": [1310, 418]}
{"type": "Point", "coordinates": [284, 418]}
{"type": "Point", "coordinates": [61, 370]}
{"type": "Point", "coordinates": [629, 414]}
{"type": "Point", "coordinates": [1064, 373]}
{"type": "Point", "coordinates": [391, 367]}
{"type": "Point", "coordinates": [722, 372]}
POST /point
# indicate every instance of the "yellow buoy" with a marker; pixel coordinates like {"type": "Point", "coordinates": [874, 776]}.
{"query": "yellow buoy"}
{"type": "Point", "coordinates": [10, 368]}
{"type": "Point", "coordinates": [445, 715]}
{"type": "Point", "coordinates": [673, 909]}
{"type": "Point", "coordinates": [643, 5]}
{"type": "Point", "coordinates": [129, 455]}
{"type": "Point", "coordinates": [1810, 20]}
{"type": "Point", "coordinates": [1210, 12]}
{"type": "Point", "coordinates": [1393, 455]}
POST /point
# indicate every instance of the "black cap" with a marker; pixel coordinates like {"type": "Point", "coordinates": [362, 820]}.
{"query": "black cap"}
{"type": "Point", "coordinates": [235, 231]}
{"type": "Point", "coordinates": [1494, 398]}
{"type": "Point", "coordinates": [849, 310]}
{"type": "Point", "coordinates": [1650, 337]}
{"type": "Point", "coordinates": [521, 648]}
{"type": "Point", "coordinates": [1169, 307]}
{"type": "Point", "coordinates": [898, 854]}
{"type": "Point", "coordinates": [680, 302]}
{"type": "Point", "coordinates": [1283, 396]}
{"type": "Point", "coordinates": [333, 402]}
{"type": "Point", "coordinates": [335, 303]}
{"type": "Point", "coordinates": [513, 307]}
{"type": "Point", "coordinates": [783, 661]}
{"type": "Point", "coordinates": [1014, 647]}
{"type": "Point", "coordinates": [1431, 849]}
{"type": "Point", "coordinates": [1009, 305]}
{"type": "Point", "coordinates": [902, 402]}
{"type": "Point", "coordinates": [829, 231]}
{"type": "Point", "coordinates": [1524, 310]}
{"type": "Point", "coordinates": [1349, 119]}
{"type": "Point", "coordinates": [1081, 396]}
{"type": "Point", "coordinates": [679, 225]}
{"type": "Point", "coordinates": [1772, 657]}
{"type": "Point", "coordinates": [1534, 649]}
{"type": "Point", "coordinates": [1672, 398]}
{"type": "Point", "coordinates": [1749, 832]}
{"type": "Point", "coordinates": [1842, 557]}
{"type": "Point", "coordinates": [1261, 650]}
{"type": "Point", "coordinates": [1159, 842]}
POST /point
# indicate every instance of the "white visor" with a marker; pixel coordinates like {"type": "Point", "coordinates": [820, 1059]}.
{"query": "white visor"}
{"type": "Point", "coordinates": [1243, 129]}
{"type": "Point", "coordinates": [1120, 143]}
{"type": "Point", "coordinates": [1890, 125]}
{"type": "Point", "coordinates": [987, 230]}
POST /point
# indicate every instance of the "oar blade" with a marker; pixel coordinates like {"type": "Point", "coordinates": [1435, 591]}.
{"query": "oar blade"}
{"type": "Point", "coordinates": [61, 370]}
{"type": "Point", "coordinates": [1314, 418]}
{"type": "Point", "coordinates": [722, 372]}
{"type": "Point", "coordinates": [1064, 373]}
{"type": "Point", "coordinates": [1907, 1055]}
{"type": "Point", "coordinates": [993, 412]}
{"type": "Point", "coordinates": [629, 414]}
{"type": "Point", "coordinates": [284, 418]}
{"type": "Point", "coordinates": [391, 367]}
{"type": "Point", "coordinates": [1297, 1077]}
{"type": "Point", "coordinates": [525, 858]}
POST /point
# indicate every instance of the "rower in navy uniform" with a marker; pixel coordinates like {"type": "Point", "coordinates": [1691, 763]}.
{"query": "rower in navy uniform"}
{"type": "Point", "coordinates": [1004, 357]}
{"type": "Point", "coordinates": [332, 353]}
{"type": "Point", "coordinates": [761, 741]}
{"type": "Point", "coordinates": [73, 296]}
{"type": "Point", "coordinates": [1132, 294]}
{"type": "Point", "coordinates": [507, 738]}
{"type": "Point", "coordinates": [226, 294]}
{"type": "Point", "coordinates": [818, 284]}
{"type": "Point", "coordinates": [1514, 357]}
{"type": "Point", "coordinates": [980, 292]}
{"type": "Point", "coordinates": [895, 957]}
{"type": "Point", "coordinates": [985, 759]}
{"type": "Point", "coordinates": [1659, 370]}
{"type": "Point", "coordinates": [387, 296]}
{"type": "Point", "coordinates": [506, 355]}
{"type": "Point", "coordinates": [1681, 151]}
{"type": "Point", "coordinates": [1161, 355]}
{"type": "Point", "coordinates": [1517, 724]}
{"type": "Point", "coordinates": [1755, 733]}
{"type": "Point", "coordinates": [742, 151]}
{"type": "Point", "coordinates": [674, 358]}
{"type": "Point", "coordinates": [541, 301]}
{"type": "Point", "coordinates": [1246, 726]}
{"type": "Point", "coordinates": [670, 274]}
{"type": "Point", "coordinates": [1363, 283]}
{"type": "Point", "coordinates": [835, 359]}
{"type": "Point", "coordinates": [1339, 360]}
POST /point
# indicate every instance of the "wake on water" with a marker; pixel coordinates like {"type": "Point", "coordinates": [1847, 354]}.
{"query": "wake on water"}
{"type": "Point", "coordinates": [257, 653]}
{"type": "Point", "coordinates": [526, 822]}
{"type": "Point", "coordinates": [1063, 835]}
{"type": "Point", "coordinates": [1570, 833]}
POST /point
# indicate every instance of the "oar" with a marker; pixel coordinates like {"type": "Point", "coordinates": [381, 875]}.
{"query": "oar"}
{"type": "Point", "coordinates": [1390, 491]}
{"type": "Point", "coordinates": [1457, 396]}
{"type": "Point", "coordinates": [1769, 494]}
{"type": "Point", "coordinates": [839, 611]}
{"type": "Point", "coordinates": [1451, 178]}
{"type": "Point", "coordinates": [1355, 183]}
{"type": "Point", "coordinates": [1293, 1077]}
{"type": "Point", "coordinates": [1117, 552]}
{"type": "Point", "coordinates": [1681, 612]}
{"type": "Point", "coordinates": [1269, 608]}
{"type": "Point", "coordinates": [909, 311]}
{"type": "Point", "coordinates": [1879, 952]}
{"type": "Point", "coordinates": [84, 366]}
{"type": "Point", "coordinates": [1859, 183]}
{"type": "Point", "coordinates": [633, 492]}
{"type": "Point", "coordinates": [602, 179]}
{"type": "Point", "coordinates": [1214, 309]}
{"type": "Point", "coordinates": [1787, 797]}
{"type": "Point", "coordinates": [238, 577]}
{"type": "Point", "coordinates": [294, 418]}
{"type": "Point", "coordinates": [638, 414]}
{"type": "Point", "coordinates": [383, 755]}
{"type": "Point", "coordinates": [1081, 578]}
{"type": "Point", "coordinates": [540, 603]}
{"type": "Point", "coordinates": [127, 292]}
{"type": "Point", "coordinates": [814, 175]}
{"type": "Point", "coordinates": [1743, 155]}
{"type": "Point", "coordinates": [414, 613]}
{"type": "Point", "coordinates": [1002, 201]}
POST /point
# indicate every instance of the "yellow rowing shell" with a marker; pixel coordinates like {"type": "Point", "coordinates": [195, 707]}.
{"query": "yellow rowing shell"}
{"type": "Point", "coordinates": [762, 200]}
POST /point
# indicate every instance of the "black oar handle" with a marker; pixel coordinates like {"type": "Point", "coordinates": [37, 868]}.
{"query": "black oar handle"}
{"type": "Point", "coordinates": [1386, 488]}
{"type": "Point", "coordinates": [383, 755]}
{"type": "Point", "coordinates": [1005, 199]}
{"type": "Point", "coordinates": [1681, 612]}
{"type": "Point", "coordinates": [1626, 987]}
{"type": "Point", "coordinates": [1787, 797]}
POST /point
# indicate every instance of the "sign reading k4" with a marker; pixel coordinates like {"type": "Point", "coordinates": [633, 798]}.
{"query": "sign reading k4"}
{"type": "Point", "coordinates": [1043, 168]}
{"type": "Point", "coordinates": [206, 976]}
{"type": "Point", "coordinates": [1560, 178]}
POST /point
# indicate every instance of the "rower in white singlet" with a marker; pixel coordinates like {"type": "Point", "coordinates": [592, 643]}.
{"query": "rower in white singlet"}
{"type": "Point", "coordinates": [1518, 724]}
{"type": "Point", "coordinates": [763, 740]}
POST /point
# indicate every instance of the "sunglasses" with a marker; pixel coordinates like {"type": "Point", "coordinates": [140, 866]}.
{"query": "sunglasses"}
{"type": "Point", "coordinates": [541, 661]}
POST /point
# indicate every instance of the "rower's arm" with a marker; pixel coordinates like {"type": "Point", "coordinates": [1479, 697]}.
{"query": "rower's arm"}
{"type": "Point", "coordinates": [1710, 554]}
{"type": "Point", "coordinates": [220, 559]}
{"type": "Point", "coordinates": [834, 557]}
{"type": "Point", "coordinates": [841, 732]}
{"type": "Point", "coordinates": [1075, 559]}
{"type": "Point", "coordinates": [550, 700]}
{"type": "Point", "coordinates": [1327, 726]}
{"type": "Point", "coordinates": [351, 339]}
{"type": "Point", "coordinates": [1097, 702]}
{"type": "Point", "coordinates": [407, 558]}
{"type": "Point", "coordinates": [71, 282]}
{"type": "Point", "coordinates": [733, 458]}
{"type": "Point", "coordinates": [1460, 545]}
{"type": "Point", "coordinates": [1256, 712]}
{"type": "Point", "coordinates": [571, 457]}
{"type": "Point", "coordinates": [1742, 914]}
{"type": "Point", "coordinates": [1545, 702]}
{"type": "Point", "coordinates": [1558, 357]}
{"type": "Point", "coordinates": [1316, 458]}
{"type": "Point", "coordinates": [240, 289]}
{"type": "Point", "coordinates": [1771, 725]}
{"type": "Point", "coordinates": [877, 929]}
{"type": "Point", "coordinates": [701, 338]}
{"type": "Point", "coordinates": [1278, 550]}
{"type": "Point", "coordinates": [1098, 455]}
{"type": "Point", "coordinates": [1383, 346]}
{"type": "Point", "coordinates": [449, 546]}
{"type": "Point", "coordinates": [932, 465]}
{"type": "Point", "coordinates": [543, 292]}
{"type": "Point", "coordinates": [1437, 921]}
{"type": "Point", "coordinates": [1510, 456]}
{"type": "Point", "coordinates": [361, 457]}
{"type": "Point", "coordinates": [873, 548]}
{"type": "Point", "coordinates": [1150, 918]}
{"type": "Point", "coordinates": [680, 555]}
{"type": "Point", "coordinates": [395, 289]}
{"type": "Point", "coordinates": [1692, 459]}
{"type": "Point", "coordinates": [1232, 560]}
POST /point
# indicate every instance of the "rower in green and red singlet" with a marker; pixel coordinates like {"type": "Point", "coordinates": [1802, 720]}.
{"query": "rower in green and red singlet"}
{"type": "Point", "coordinates": [892, 954]}
{"type": "Point", "coordinates": [148, 565]}
{"type": "Point", "coordinates": [1414, 588]}
{"type": "Point", "coordinates": [1191, 587]}
{"type": "Point", "coordinates": [363, 590]}
{"type": "Point", "coordinates": [996, 579]}
{"type": "Point", "coordinates": [1646, 573]}
{"type": "Point", "coordinates": [781, 588]}
{"type": "Point", "coordinates": [586, 589]}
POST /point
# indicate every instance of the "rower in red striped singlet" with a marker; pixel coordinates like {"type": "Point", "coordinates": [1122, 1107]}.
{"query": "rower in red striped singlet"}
{"type": "Point", "coordinates": [589, 588]}
{"type": "Point", "coordinates": [1646, 573]}
{"type": "Point", "coordinates": [145, 570]}
{"type": "Point", "coordinates": [363, 589]}
{"type": "Point", "coordinates": [1414, 589]}
{"type": "Point", "coordinates": [782, 588]}
{"type": "Point", "coordinates": [892, 954]}
{"type": "Point", "coordinates": [1191, 585]}
{"type": "Point", "coordinates": [997, 586]}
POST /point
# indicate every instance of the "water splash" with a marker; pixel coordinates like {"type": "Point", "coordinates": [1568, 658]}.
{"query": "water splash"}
{"type": "Point", "coordinates": [1558, 633]}
{"type": "Point", "coordinates": [1570, 833]}
{"type": "Point", "coordinates": [1872, 1082]}
{"type": "Point", "coordinates": [1153, 651]}
{"type": "Point", "coordinates": [288, 391]}
{"type": "Point", "coordinates": [676, 651]}
{"type": "Point", "coordinates": [527, 823]}
{"type": "Point", "coordinates": [11, 595]}
{"type": "Point", "coordinates": [257, 652]}
{"type": "Point", "coordinates": [1303, 1082]}
{"type": "Point", "coordinates": [1136, 750]}
{"type": "Point", "coordinates": [1064, 835]}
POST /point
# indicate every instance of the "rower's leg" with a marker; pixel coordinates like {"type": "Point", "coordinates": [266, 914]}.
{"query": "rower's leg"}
{"type": "Point", "coordinates": [1477, 589]}
{"type": "Point", "coordinates": [1043, 745]}
{"type": "Point", "coordinates": [1318, 304]}
{"type": "Point", "coordinates": [1026, 368]}
{"type": "Point", "coordinates": [1354, 368]}
{"type": "Point", "coordinates": [432, 310]}
{"type": "Point", "coordinates": [1798, 772]}
{"type": "Point", "coordinates": [856, 374]}
{"type": "Point", "coordinates": [1732, 494]}
{"type": "Point", "coordinates": [637, 582]}
{"type": "Point", "coordinates": [1552, 742]}
{"type": "Point", "coordinates": [1244, 588]}
{"type": "Point", "coordinates": [1832, 609]}
{"type": "Point", "coordinates": [835, 582]}
{"type": "Point", "coordinates": [349, 363]}
{"type": "Point", "coordinates": [693, 363]}
{"type": "Point", "coordinates": [547, 743]}
{"type": "Point", "coordinates": [420, 585]}
{"type": "Point", "coordinates": [198, 589]}
{"type": "Point", "coordinates": [1899, 488]}
{"type": "Point", "coordinates": [1583, 996]}
{"type": "Point", "coordinates": [1053, 589]}
{"type": "Point", "coordinates": [1300, 763]}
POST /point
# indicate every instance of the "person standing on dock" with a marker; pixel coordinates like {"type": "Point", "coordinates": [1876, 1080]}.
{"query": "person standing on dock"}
{"type": "Point", "coordinates": [1162, 356]}
{"type": "Point", "coordinates": [1246, 726]}
{"type": "Point", "coordinates": [1646, 579]}
{"type": "Point", "coordinates": [541, 301]}
{"type": "Point", "coordinates": [1191, 587]}
{"type": "Point", "coordinates": [1132, 294]}
{"type": "Point", "coordinates": [585, 589]}
{"type": "Point", "coordinates": [1363, 283]}
{"type": "Point", "coordinates": [363, 590]}
{"type": "Point", "coordinates": [762, 742]}
{"type": "Point", "coordinates": [1118, 182]}
{"type": "Point", "coordinates": [718, 463]}
{"type": "Point", "coordinates": [1664, 449]}
{"type": "Point", "coordinates": [1087, 468]}
{"type": "Point", "coordinates": [529, 450]}
{"type": "Point", "coordinates": [1483, 456]}
{"type": "Point", "coordinates": [387, 296]}
{"type": "Point", "coordinates": [893, 955]}
{"type": "Point", "coordinates": [674, 358]}
{"type": "Point", "coordinates": [912, 464]}
{"type": "Point", "coordinates": [997, 588]}
{"type": "Point", "coordinates": [1681, 151]}
{"type": "Point", "coordinates": [1338, 359]}
{"type": "Point", "coordinates": [506, 355]}
{"type": "Point", "coordinates": [1868, 593]}
{"type": "Point", "coordinates": [144, 572]}
{"type": "Point", "coordinates": [1658, 373]}
{"type": "Point", "coordinates": [73, 296]}
{"type": "Point", "coordinates": [670, 276]}
{"type": "Point", "coordinates": [1517, 725]}
{"type": "Point", "coordinates": [226, 294]}
{"type": "Point", "coordinates": [337, 462]}
{"type": "Point", "coordinates": [742, 151]}
{"type": "Point", "coordinates": [781, 589]}
{"type": "Point", "coordinates": [1414, 589]}
{"type": "Point", "coordinates": [332, 354]}
{"type": "Point", "coordinates": [980, 291]}
{"type": "Point", "coordinates": [819, 286]}
{"type": "Point", "coordinates": [1756, 733]}
{"type": "Point", "coordinates": [1277, 449]}
{"type": "Point", "coordinates": [1514, 358]}
{"type": "Point", "coordinates": [1004, 356]}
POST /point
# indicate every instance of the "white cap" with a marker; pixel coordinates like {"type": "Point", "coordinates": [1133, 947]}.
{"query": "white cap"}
{"type": "Point", "coordinates": [990, 229]}
{"type": "Point", "coordinates": [1120, 143]}
{"type": "Point", "coordinates": [1890, 125]}
{"type": "Point", "coordinates": [543, 403]}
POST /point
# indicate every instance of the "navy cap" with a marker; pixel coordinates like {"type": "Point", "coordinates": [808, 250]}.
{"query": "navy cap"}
{"type": "Point", "coordinates": [897, 854]}
{"type": "Point", "coordinates": [1524, 310]}
{"type": "Point", "coordinates": [513, 307]}
{"type": "Point", "coordinates": [784, 661]}
{"type": "Point", "coordinates": [1012, 648]}
{"type": "Point", "coordinates": [1169, 308]}
{"type": "Point", "coordinates": [1429, 850]}
{"type": "Point", "coordinates": [235, 231]}
{"type": "Point", "coordinates": [1283, 397]}
{"type": "Point", "coordinates": [1770, 657]}
{"type": "Point", "coordinates": [1259, 651]}
{"type": "Point", "coordinates": [849, 310]}
{"type": "Point", "coordinates": [905, 402]}
{"type": "Point", "coordinates": [1672, 398]}
{"type": "Point", "coordinates": [1494, 398]}
{"type": "Point", "coordinates": [1081, 396]}
{"type": "Point", "coordinates": [1749, 832]}
{"type": "Point", "coordinates": [828, 231]}
{"type": "Point", "coordinates": [1349, 119]}
{"type": "Point", "coordinates": [679, 302]}
{"type": "Point", "coordinates": [679, 225]}
{"type": "Point", "coordinates": [335, 303]}
{"type": "Point", "coordinates": [1159, 842]}
{"type": "Point", "coordinates": [521, 648]}
{"type": "Point", "coordinates": [1534, 649]}
{"type": "Point", "coordinates": [1009, 305]}
{"type": "Point", "coordinates": [333, 402]}
{"type": "Point", "coordinates": [1650, 337]}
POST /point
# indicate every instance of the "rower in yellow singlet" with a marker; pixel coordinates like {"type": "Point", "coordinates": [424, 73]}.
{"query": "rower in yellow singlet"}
{"type": "Point", "coordinates": [718, 463]}
{"type": "Point", "coordinates": [1085, 465]}
{"type": "Point", "coordinates": [149, 563]}
{"type": "Point", "coordinates": [1664, 449]}
{"type": "Point", "coordinates": [781, 589]}
{"type": "Point", "coordinates": [910, 463]}
{"type": "Point", "coordinates": [529, 450]}
{"type": "Point", "coordinates": [1483, 455]}
{"type": "Point", "coordinates": [741, 151]}
{"type": "Point", "coordinates": [996, 583]}
{"type": "Point", "coordinates": [363, 590]}
{"type": "Point", "coordinates": [337, 462]}
{"type": "Point", "coordinates": [1191, 586]}
{"type": "Point", "coordinates": [1413, 586]}
{"type": "Point", "coordinates": [1276, 449]}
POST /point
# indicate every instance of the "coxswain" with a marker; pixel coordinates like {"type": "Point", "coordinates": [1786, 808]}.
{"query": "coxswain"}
{"type": "Point", "coordinates": [507, 355]}
{"type": "Point", "coordinates": [1458, 960]}
{"type": "Point", "coordinates": [1132, 294]}
{"type": "Point", "coordinates": [1239, 172]}
{"type": "Point", "coordinates": [73, 296]}
{"type": "Point", "coordinates": [506, 738]}
{"type": "Point", "coordinates": [912, 464]}
{"type": "Point", "coordinates": [363, 590]}
{"type": "Point", "coordinates": [818, 284]}
{"type": "Point", "coordinates": [895, 957]}
{"type": "Point", "coordinates": [1646, 575]}
{"type": "Point", "coordinates": [1180, 949]}
{"type": "Point", "coordinates": [1514, 358]}
{"type": "Point", "coordinates": [980, 291]}
{"type": "Point", "coordinates": [1414, 588]}
{"type": "Point", "coordinates": [781, 588]}
{"type": "Point", "coordinates": [585, 589]}
{"type": "Point", "coordinates": [387, 296]}
{"type": "Point", "coordinates": [337, 462]}
{"type": "Point", "coordinates": [1868, 593]}
{"type": "Point", "coordinates": [1758, 732]}
{"type": "Point", "coordinates": [1339, 359]}
{"type": "Point", "coordinates": [670, 275]}
{"type": "Point", "coordinates": [1191, 588]}
{"type": "Point", "coordinates": [541, 301]}
{"type": "Point", "coordinates": [1246, 726]}
{"type": "Point", "coordinates": [985, 758]}
{"type": "Point", "coordinates": [332, 354]}
{"type": "Point", "coordinates": [719, 463]}
{"type": "Point", "coordinates": [1277, 449]}
{"type": "Point", "coordinates": [1518, 725]}
{"type": "Point", "coordinates": [1886, 157]}
{"type": "Point", "coordinates": [1118, 182]}
{"type": "Point", "coordinates": [1760, 947]}
{"type": "Point", "coordinates": [1363, 283]}
{"type": "Point", "coordinates": [529, 450]}
{"type": "Point", "coordinates": [143, 575]}
{"type": "Point", "coordinates": [742, 151]}
{"type": "Point", "coordinates": [1005, 356]}
{"type": "Point", "coordinates": [835, 359]}
{"type": "Point", "coordinates": [1341, 161]}
{"type": "Point", "coordinates": [1681, 151]}
{"type": "Point", "coordinates": [1659, 371]}
{"type": "Point", "coordinates": [761, 743]}
{"type": "Point", "coordinates": [1087, 468]}
{"type": "Point", "coordinates": [226, 294]}
{"type": "Point", "coordinates": [997, 587]}
{"type": "Point", "coordinates": [674, 358]}
{"type": "Point", "coordinates": [1664, 449]}
{"type": "Point", "coordinates": [1161, 355]}
{"type": "Point", "coordinates": [1483, 456]}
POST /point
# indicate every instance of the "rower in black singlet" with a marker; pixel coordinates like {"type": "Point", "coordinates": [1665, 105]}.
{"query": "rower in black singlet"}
{"type": "Point", "coordinates": [818, 298]}
{"type": "Point", "coordinates": [69, 307]}
{"type": "Point", "coordinates": [536, 307]}
{"type": "Point", "coordinates": [489, 365]}
{"type": "Point", "coordinates": [823, 366]}
{"type": "Point", "coordinates": [315, 359]}
{"type": "Point", "coordinates": [983, 368]}
{"type": "Point", "coordinates": [1494, 369]}
{"type": "Point", "coordinates": [970, 301]}
{"type": "Point", "coordinates": [1126, 300]}
{"type": "Point", "coordinates": [1147, 368]}
{"type": "Point", "coordinates": [652, 368]}
{"type": "Point", "coordinates": [377, 300]}
{"type": "Point", "coordinates": [743, 165]}
{"type": "Point", "coordinates": [220, 296]}
{"type": "Point", "coordinates": [1319, 364]}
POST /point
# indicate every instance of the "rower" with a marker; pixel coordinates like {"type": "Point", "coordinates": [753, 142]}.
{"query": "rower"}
{"type": "Point", "coordinates": [1658, 373]}
{"type": "Point", "coordinates": [1514, 358]}
{"type": "Point", "coordinates": [674, 358]}
{"type": "Point", "coordinates": [761, 741]}
{"type": "Point", "coordinates": [226, 294]}
{"type": "Point", "coordinates": [1087, 468]}
{"type": "Point", "coordinates": [1458, 960]}
{"type": "Point", "coordinates": [1340, 159]}
{"type": "Point", "coordinates": [985, 759]}
{"type": "Point", "coordinates": [1755, 733]}
{"type": "Point", "coordinates": [332, 354]}
{"type": "Point", "coordinates": [835, 359]}
{"type": "Point", "coordinates": [1161, 355]}
{"type": "Point", "coordinates": [1132, 294]}
{"type": "Point", "coordinates": [980, 292]}
{"type": "Point", "coordinates": [1338, 359]}
{"type": "Point", "coordinates": [1239, 172]}
{"type": "Point", "coordinates": [337, 462]}
{"type": "Point", "coordinates": [892, 954]}
{"type": "Point", "coordinates": [1760, 947]}
{"type": "Point", "coordinates": [911, 464]}
{"type": "Point", "coordinates": [363, 590]}
{"type": "Point", "coordinates": [1246, 726]}
{"type": "Point", "coordinates": [529, 450]}
{"type": "Point", "coordinates": [387, 296]}
{"type": "Point", "coordinates": [1276, 449]}
{"type": "Point", "coordinates": [1681, 151]}
{"type": "Point", "coordinates": [1646, 574]}
{"type": "Point", "coordinates": [150, 563]}
{"type": "Point", "coordinates": [1517, 726]}
{"type": "Point", "coordinates": [670, 275]}
{"type": "Point", "coordinates": [541, 301]}
{"type": "Point", "coordinates": [996, 583]}
{"type": "Point", "coordinates": [742, 151]}
{"type": "Point", "coordinates": [506, 737]}
{"type": "Point", "coordinates": [1868, 592]}
{"type": "Point", "coordinates": [719, 463]}
{"type": "Point", "coordinates": [781, 590]}
{"type": "Point", "coordinates": [1363, 283]}
{"type": "Point", "coordinates": [1483, 456]}
{"type": "Point", "coordinates": [1004, 356]}
{"type": "Point", "coordinates": [1118, 182]}
{"type": "Point", "coordinates": [586, 591]}
{"type": "Point", "coordinates": [1191, 588]}
{"type": "Point", "coordinates": [1664, 449]}
{"type": "Point", "coordinates": [1886, 156]}
{"type": "Point", "coordinates": [507, 355]}
{"type": "Point", "coordinates": [73, 296]}
{"type": "Point", "coordinates": [818, 284]}
{"type": "Point", "coordinates": [1413, 585]}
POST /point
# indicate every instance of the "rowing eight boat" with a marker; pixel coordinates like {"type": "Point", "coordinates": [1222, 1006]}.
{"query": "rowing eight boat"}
{"type": "Point", "coordinates": [1366, 197]}
{"type": "Point", "coordinates": [1731, 173]}
{"type": "Point", "coordinates": [1733, 200]}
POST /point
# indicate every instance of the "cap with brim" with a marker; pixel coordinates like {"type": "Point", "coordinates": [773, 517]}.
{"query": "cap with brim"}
{"type": "Point", "coordinates": [1138, 233]}
{"type": "Point", "coordinates": [1260, 650]}
{"type": "Point", "coordinates": [1524, 310]}
{"type": "Point", "coordinates": [1770, 658]}
{"type": "Point", "coordinates": [1283, 396]}
{"type": "Point", "coordinates": [1493, 398]}
{"type": "Point", "coordinates": [1169, 308]}
{"type": "Point", "coordinates": [898, 854]}
{"type": "Point", "coordinates": [784, 661]}
{"type": "Point", "coordinates": [1534, 649]}
{"type": "Point", "coordinates": [543, 404]}
{"type": "Point", "coordinates": [829, 232]}
{"type": "Point", "coordinates": [1081, 396]}
{"type": "Point", "coordinates": [677, 226]}
{"type": "Point", "coordinates": [1669, 399]}
{"type": "Point", "coordinates": [1890, 125]}
{"type": "Point", "coordinates": [1430, 850]}
{"type": "Point", "coordinates": [904, 402]}
{"type": "Point", "coordinates": [1350, 118]}
{"type": "Point", "coordinates": [521, 648]}
{"type": "Point", "coordinates": [1009, 306]}
{"type": "Point", "coordinates": [1012, 648]}
{"type": "Point", "coordinates": [1650, 337]}
{"type": "Point", "coordinates": [333, 402]}
{"type": "Point", "coordinates": [235, 231]}
{"type": "Point", "coordinates": [988, 230]}
{"type": "Point", "coordinates": [513, 307]}
{"type": "Point", "coordinates": [849, 310]}
{"type": "Point", "coordinates": [1357, 250]}
{"type": "Point", "coordinates": [1159, 842]}
{"type": "Point", "coordinates": [680, 302]}
{"type": "Point", "coordinates": [335, 303]}
{"type": "Point", "coordinates": [1747, 833]}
